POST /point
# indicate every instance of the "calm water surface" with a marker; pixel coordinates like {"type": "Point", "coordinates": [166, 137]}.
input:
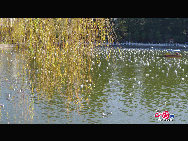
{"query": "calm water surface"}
{"type": "Point", "coordinates": [128, 86]}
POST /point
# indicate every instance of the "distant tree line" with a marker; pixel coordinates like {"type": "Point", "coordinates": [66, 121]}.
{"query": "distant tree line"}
{"type": "Point", "coordinates": [156, 30]}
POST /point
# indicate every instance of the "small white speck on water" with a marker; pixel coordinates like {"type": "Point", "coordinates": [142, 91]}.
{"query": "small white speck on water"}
{"type": "Point", "coordinates": [139, 82]}
{"type": "Point", "coordinates": [2, 105]}
{"type": "Point", "coordinates": [175, 72]}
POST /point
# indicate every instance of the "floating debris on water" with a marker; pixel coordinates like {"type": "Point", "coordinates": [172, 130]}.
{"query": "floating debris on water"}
{"type": "Point", "coordinates": [2, 105]}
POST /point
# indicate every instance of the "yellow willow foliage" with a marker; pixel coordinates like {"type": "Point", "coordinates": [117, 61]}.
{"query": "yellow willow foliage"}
{"type": "Point", "coordinates": [60, 50]}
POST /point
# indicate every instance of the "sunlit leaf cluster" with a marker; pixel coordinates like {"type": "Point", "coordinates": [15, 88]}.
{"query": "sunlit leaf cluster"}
{"type": "Point", "coordinates": [60, 51]}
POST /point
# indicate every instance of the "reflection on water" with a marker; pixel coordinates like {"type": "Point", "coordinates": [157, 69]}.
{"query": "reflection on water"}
{"type": "Point", "coordinates": [108, 86]}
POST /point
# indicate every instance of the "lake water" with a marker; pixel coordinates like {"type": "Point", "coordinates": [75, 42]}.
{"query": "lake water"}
{"type": "Point", "coordinates": [124, 86]}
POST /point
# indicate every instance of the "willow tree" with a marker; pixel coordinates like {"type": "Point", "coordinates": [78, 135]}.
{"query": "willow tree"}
{"type": "Point", "coordinates": [60, 50]}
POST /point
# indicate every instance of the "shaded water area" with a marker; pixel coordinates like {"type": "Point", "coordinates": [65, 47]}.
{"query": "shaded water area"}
{"type": "Point", "coordinates": [122, 86]}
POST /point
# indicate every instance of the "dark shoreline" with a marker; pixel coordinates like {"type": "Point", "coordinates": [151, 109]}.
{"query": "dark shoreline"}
{"type": "Point", "coordinates": [126, 45]}
{"type": "Point", "coordinates": [152, 47]}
